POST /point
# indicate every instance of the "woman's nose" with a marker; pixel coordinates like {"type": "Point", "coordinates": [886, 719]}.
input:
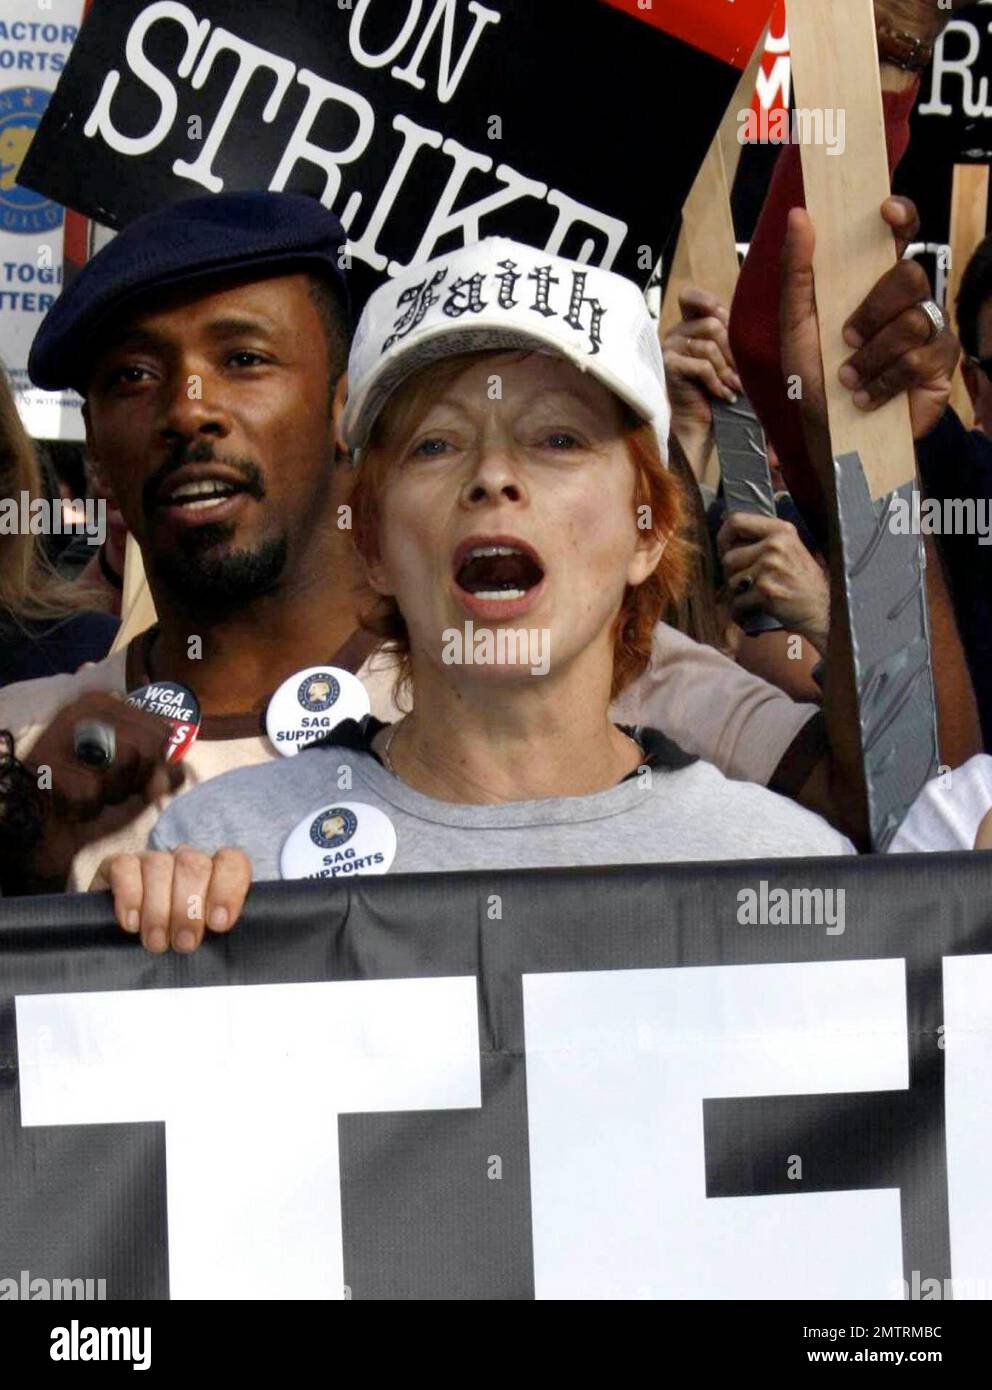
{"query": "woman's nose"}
{"type": "Point", "coordinates": [494, 476]}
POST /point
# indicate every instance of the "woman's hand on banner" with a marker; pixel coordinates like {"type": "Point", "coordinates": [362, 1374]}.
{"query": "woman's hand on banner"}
{"type": "Point", "coordinates": [172, 897]}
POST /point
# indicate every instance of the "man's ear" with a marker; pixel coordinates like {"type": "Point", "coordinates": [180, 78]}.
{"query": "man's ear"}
{"type": "Point", "coordinates": [337, 416]}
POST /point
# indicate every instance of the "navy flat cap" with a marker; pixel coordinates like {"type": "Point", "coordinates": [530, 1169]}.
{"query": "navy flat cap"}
{"type": "Point", "coordinates": [188, 241]}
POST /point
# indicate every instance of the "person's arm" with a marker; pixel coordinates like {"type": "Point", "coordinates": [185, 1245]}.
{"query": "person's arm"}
{"type": "Point", "coordinates": [784, 659]}
{"type": "Point", "coordinates": [699, 367]}
{"type": "Point", "coordinates": [840, 780]}
{"type": "Point", "coordinates": [78, 803]}
{"type": "Point", "coordinates": [768, 569]}
{"type": "Point", "coordinates": [883, 371]}
{"type": "Point", "coordinates": [755, 337]}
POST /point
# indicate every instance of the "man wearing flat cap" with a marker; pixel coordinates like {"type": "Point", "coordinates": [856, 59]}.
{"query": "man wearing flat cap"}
{"type": "Point", "coordinates": [208, 340]}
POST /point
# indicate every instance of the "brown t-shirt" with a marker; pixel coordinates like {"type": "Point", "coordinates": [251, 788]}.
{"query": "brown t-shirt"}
{"type": "Point", "coordinates": [224, 742]}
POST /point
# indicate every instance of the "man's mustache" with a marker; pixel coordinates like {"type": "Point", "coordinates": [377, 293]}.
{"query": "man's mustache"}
{"type": "Point", "coordinates": [203, 452]}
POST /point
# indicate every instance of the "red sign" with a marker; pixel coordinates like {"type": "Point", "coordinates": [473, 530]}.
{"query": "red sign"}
{"type": "Point", "coordinates": [774, 88]}
{"type": "Point", "coordinates": [727, 29]}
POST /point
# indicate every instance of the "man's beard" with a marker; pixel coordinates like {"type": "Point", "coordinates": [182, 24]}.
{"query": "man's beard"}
{"type": "Point", "coordinates": [203, 575]}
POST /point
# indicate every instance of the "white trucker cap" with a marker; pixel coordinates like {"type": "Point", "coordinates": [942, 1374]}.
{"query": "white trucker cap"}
{"type": "Point", "coordinates": [499, 294]}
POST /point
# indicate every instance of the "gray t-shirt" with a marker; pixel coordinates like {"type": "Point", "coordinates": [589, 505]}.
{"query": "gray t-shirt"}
{"type": "Point", "coordinates": [673, 808]}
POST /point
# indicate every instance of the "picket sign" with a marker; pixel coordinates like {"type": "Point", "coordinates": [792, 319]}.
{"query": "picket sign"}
{"type": "Point", "coordinates": [884, 607]}
{"type": "Point", "coordinates": [706, 252]}
{"type": "Point", "coordinates": [835, 65]}
{"type": "Point", "coordinates": [969, 218]}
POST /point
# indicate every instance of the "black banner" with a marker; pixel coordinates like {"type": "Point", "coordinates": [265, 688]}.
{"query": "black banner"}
{"type": "Point", "coordinates": [566, 124]}
{"type": "Point", "coordinates": [732, 1081]}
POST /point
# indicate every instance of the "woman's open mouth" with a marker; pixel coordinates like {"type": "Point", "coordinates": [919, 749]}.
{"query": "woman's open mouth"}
{"type": "Point", "coordinates": [497, 577]}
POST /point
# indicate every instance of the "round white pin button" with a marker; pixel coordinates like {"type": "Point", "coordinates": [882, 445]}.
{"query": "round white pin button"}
{"type": "Point", "coordinates": [310, 703]}
{"type": "Point", "coordinates": [341, 840]}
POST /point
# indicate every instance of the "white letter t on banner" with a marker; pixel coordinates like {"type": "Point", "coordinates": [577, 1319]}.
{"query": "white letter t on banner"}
{"type": "Point", "coordinates": [250, 1081]}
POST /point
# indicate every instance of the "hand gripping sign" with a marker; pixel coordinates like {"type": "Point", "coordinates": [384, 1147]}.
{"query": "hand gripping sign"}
{"type": "Point", "coordinates": [836, 65]}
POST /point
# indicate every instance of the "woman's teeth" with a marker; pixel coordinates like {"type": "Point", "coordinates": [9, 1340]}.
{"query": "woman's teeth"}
{"type": "Point", "coordinates": [497, 571]}
{"type": "Point", "coordinates": [487, 551]}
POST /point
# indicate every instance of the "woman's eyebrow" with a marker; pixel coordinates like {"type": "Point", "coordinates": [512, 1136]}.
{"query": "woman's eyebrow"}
{"type": "Point", "coordinates": [446, 401]}
{"type": "Point", "coordinates": [568, 393]}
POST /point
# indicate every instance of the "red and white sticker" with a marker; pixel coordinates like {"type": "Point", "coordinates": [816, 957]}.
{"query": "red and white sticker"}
{"type": "Point", "coordinates": [178, 706]}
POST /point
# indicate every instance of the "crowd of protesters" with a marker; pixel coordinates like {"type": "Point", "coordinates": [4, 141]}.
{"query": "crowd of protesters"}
{"type": "Point", "coordinates": [501, 444]}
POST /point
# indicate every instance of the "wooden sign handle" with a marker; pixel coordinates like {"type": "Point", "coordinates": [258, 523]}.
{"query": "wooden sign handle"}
{"type": "Point", "coordinates": [835, 68]}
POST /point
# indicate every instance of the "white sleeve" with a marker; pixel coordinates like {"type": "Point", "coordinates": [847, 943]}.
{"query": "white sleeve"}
{"type": "Point", "coordinates": [948, 811]}
{"type": "Point", "coordinates": [28, 707]}
{"type": "Point", "coordinates": [712, 707]}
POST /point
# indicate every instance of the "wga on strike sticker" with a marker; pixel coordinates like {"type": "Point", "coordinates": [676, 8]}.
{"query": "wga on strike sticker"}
{"type": "Point", "coordinates": [309, 705]}
{"type": "Point", "coordinates": [342, 840]}
{"type": "Point", "coordinates": [178, 706]}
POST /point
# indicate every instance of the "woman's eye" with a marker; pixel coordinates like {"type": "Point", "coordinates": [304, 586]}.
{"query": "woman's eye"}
{"type": "Point", "coordinates": [561, 439]}
{"type": "Point", "coordinates": [431, 448]}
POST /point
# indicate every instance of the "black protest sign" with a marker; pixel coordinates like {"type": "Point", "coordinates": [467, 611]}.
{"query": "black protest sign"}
{"type": "Point", "coordinates": [951, 124]}
{"type": "Point", "coordinates": [688, 1081]}
{"type": "Point", "coordinates": [567, 124]}
{"type": "Point", "coordinates": [953, 116]}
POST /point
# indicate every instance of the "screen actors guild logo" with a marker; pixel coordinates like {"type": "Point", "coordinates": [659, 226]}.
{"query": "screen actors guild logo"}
{"type": "Point", "coordinates": [334, 827]}
{"type": "Point", "coordinates": [319, 692]}
{"type": "Point", "coordinates": [22, 209]}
